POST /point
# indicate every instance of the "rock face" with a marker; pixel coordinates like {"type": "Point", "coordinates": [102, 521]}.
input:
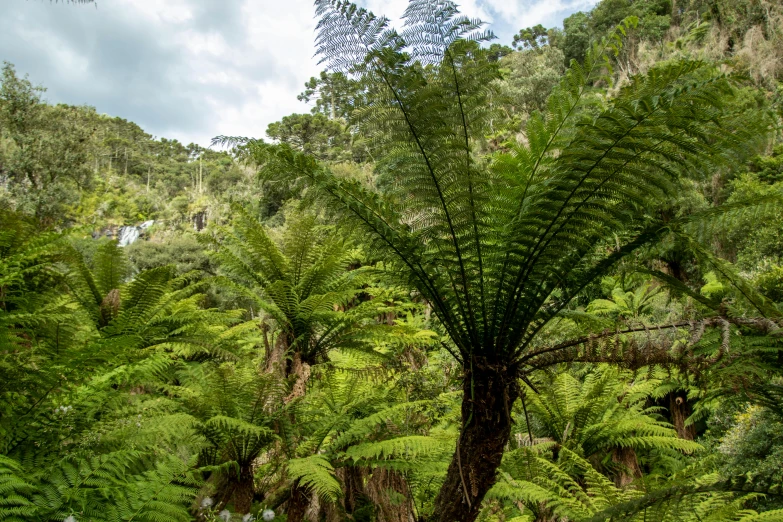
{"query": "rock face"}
{"type": "Point", "coordinates": [129, 234]}
{"type": "Point", "coordinates": [199, 220]}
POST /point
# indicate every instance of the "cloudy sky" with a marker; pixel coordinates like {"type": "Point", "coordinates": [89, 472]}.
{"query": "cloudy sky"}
{"type": "Point", "coordinates": [193, 69]}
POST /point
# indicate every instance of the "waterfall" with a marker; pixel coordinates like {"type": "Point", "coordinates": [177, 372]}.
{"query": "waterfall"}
{"type": "Point", "coordinates": [128, 234]}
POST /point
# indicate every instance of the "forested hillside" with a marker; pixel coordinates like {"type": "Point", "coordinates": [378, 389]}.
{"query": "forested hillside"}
{"type": "Point", "coordinates": [530, 281]}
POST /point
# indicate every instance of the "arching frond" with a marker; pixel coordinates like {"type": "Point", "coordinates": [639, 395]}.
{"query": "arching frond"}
{"type": "Point", "coordinates": [317, 474]}
{"type": "Point", "coordinates": [522, 236]}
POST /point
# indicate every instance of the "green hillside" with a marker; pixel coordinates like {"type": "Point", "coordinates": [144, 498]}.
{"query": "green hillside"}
{"type": "Point", "coordinates": [528, 281]}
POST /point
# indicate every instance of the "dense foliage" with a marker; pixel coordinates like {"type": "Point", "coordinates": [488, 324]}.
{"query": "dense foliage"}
{"type": "Point", "coordinates": [539, 282]}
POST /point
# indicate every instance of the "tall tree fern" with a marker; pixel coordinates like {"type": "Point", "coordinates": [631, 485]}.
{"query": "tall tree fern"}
{"type": "Point", "coordinates": [300, 283]}
{"type": "Point", "coordinates": [500, 248]}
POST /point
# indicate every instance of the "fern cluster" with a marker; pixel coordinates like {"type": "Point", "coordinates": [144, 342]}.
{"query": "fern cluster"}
{"type": "Point", "coordinates": [90, 425]}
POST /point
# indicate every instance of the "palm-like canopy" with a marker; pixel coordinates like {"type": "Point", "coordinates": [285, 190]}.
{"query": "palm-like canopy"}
{"type": "Point", "coordinates": [499, 248]}
{"type": "Point", "coordinates": [302, 282]}
{"type": "Point", "coordinates": [154, 309]}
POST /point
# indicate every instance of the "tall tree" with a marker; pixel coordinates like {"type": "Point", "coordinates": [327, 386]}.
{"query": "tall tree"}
{"type": "Point", "coordinates": [531, 37]}
{"type": "Point", "coordinates": [312, 133]}
{"type": "Point", "coordinates": [334, 94]}
{"type": "Point", "coordinates": [501, 249]}
{"type": "Point", "coordinates": [47, 149]}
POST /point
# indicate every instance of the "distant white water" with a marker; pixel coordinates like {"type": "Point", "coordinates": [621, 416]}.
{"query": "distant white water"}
{"type": "Point", "coordinates": [129, 234]}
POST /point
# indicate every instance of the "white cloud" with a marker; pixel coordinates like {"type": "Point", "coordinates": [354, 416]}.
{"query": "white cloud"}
{"type": "Point", "coordinates": [284, 33]}
{"type": "Point", "coordinates": [169, 12]}
{"type": "Point", "coordinates": [527, 13]}
{"type": "Point", "coordinates": [192, 69]}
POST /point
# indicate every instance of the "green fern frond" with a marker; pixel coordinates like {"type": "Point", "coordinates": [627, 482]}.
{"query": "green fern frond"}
{"type": "Point", "coordinates": [16, 494]}
{"type": "Point", "coordinates": [317, 474]}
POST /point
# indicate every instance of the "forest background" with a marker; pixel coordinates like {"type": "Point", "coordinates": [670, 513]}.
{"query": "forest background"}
{"type": "Point", "coordinates": [253, 350]}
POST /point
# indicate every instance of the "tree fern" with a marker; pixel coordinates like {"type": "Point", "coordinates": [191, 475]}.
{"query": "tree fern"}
{"type": "Point", "coordinates": [600, 417]}
{"type": "Point", "coordinates": [500, 249]}
{"type": "Point", "coordinates": [315, 473]}
{"type": "Point", "coordinates": [301, 282]}
{"type": "Point", "coordinates": [572, 489]}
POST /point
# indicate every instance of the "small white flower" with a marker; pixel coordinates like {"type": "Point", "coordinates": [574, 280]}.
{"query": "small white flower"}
{"type": "Point", "coordinates": [268, 515]}
{"type": "Point", "coordinates": [70, 518]}
{"type": "Point", "coordinates": [225, 515]}
{"type": "Point", "coordinates": [138, 425]}
{"type": "Point", "coordinates": [206, 502]}
{"type": "Point", "coordinates": [248, 518]}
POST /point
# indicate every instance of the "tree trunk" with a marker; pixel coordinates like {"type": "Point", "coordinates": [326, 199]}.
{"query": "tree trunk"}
{"type": "Point", "coordinates": [232, 489]}
{"type": "Point", "coordinates": [297, 504]}
{"type": "Point", "coordinates": [628, 466]}
{"type": "Point", "coordinates": [382, 485]}
{"type": "Point", "coordinates": [675, 13]}
{"type": "Point", "coordinates": [352, 478]}
{"type": "Point", "coordinates": [301, 370]}
{"type": "Point", "coordinates": [680, 410]}
{"type": "Point", "coordinates": [489, 393]}
{"type": "Point", "coordinates": [276, 362]}
{"type": "Point", "coordinates": [244, 490]}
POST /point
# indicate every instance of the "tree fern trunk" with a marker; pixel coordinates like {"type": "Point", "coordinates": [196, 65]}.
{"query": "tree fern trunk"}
{"type": "Point", "coordinates": [489, 393]}
{"type": "Point", "coordinates": [352, 478]}
{"type": "Point", "coordinates": [243, 492]}
{"type": "Point", "coordinates": [627, 466]}
{"type": "Point", "coordinates": [276, 362]}
{"type": "Point", "coordinates": [297, 504]}
{"type": "Point", "coordinates": [301, 370]}
{"type": "Point", "coordinates": [382, 488]}
{"type": "Point", "coordinates": [680, 410]}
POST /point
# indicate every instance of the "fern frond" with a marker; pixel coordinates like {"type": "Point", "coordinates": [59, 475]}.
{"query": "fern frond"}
{"type": "Point", "coordinates": [317, 474]}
